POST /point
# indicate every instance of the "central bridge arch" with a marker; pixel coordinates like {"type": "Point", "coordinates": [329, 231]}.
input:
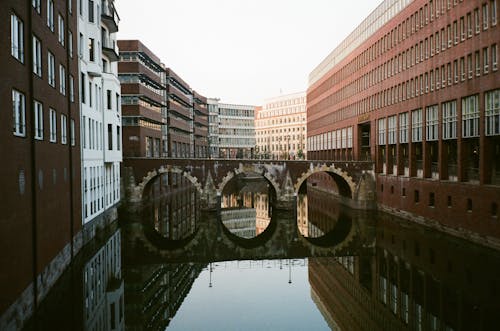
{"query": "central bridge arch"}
{"type": "Point", "coordinates": [345, 183]}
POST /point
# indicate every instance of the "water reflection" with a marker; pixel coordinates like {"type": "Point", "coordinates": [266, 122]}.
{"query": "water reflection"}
{"type": "Point", "coordinates": [246, 206]}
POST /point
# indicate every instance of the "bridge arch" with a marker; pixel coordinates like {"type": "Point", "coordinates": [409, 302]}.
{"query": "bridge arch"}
{"type": "Point", "coordinates": [257, 170]}
{"type": "Point", "coordinates": [345, 183]}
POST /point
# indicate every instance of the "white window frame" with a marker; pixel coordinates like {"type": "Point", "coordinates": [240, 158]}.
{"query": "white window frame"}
{"type": "Point", "coordinates": [53, 125]}
{"type": "Point", "coordinates": [72, 132]}
{"type": "Point", "coordinates": [38, 119]}
{"type": "Point", "coordinates": [494, 57]}
{"type": "Point", "coordinates": [50, 15]}
{"type": "Point", "coordinates": [19, 113]}
{"type": "Point", "coordinates": [416, 125]}
{"type": "Point", "coordinates": [64, 129]}
{"type": "Point", "coordinates": [493, 9]}
{"type": "Point", "coordinates": [381, 127]}
{"type": "Point", "coordinates": [17, 37]}
{"type": "Point", "coordinates": [71, 88]}
{"type": "Point", "coordinates": [449, 114]}
{"type": "Point", "coordinates": [403, 128]}
{"type": "Point", "coordinates": [70, 42]}
{"type": "Point", "coordinates": [349, 137]}
{"type": "Point", "coordinates": [344, 138]}
{"type": "Point", "coordinates": [62, 79]}
{"type": "Point", "coordinates": [36, 5]}
{"type": "Point", "coordinates": [492, 112]}
{"type": "Point", "coordinates": [37, 56]}
{"type": "Point", "coordinates": [51, 69]}
{"type": "Point", "coordinates": [392, 130]}
{"type": "Point", "coordinates": [470, 116]}
{"type": "Point", "coordinates": [431, 123]}
{"type": "Point", "coordinates": [60, 29]}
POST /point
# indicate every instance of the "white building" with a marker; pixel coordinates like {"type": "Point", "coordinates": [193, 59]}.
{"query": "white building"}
{"type": "Point", "coordinates": [213, 127]}
{"type": "Point", "coordinates": [100, 110]}
{"type": "Point", "coordinates": [236, 130]}
{"type": "Point", "coordinates": [280, 127]}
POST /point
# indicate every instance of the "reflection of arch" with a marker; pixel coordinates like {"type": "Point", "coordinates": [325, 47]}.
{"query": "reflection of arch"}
{"type": "Point", "coordinates": [234, 174]}
{"type": "Point", "coordinates": [148, 179]}
{"type": "Point", "coordinates": [259, 240]}
{"type": "Point", "coordinates": [344, 182]}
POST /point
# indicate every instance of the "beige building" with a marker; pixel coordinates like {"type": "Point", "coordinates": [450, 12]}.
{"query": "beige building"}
{"type": "Point", "coordinates": [280, 127]}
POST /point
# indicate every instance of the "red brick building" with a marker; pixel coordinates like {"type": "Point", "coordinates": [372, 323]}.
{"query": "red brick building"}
{"type": "Point", "coordinates": [416, 88]}
{"type": "Point", "coordinates": [40, 203]}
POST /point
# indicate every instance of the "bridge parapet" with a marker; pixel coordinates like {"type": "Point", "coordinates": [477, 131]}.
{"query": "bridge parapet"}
{"type": "Point", "coordinates": [355, 179]}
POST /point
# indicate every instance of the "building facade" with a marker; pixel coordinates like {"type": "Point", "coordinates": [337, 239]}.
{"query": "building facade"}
{"type": "Point", "coordinates": [40, 230]}
{"type": "Point", "coordinates": [280, 127]}
{"type": "Point", "coordinates": [213, 127]}
{"type": "Point", "coordinates": [236, 130]}
{"type": "Point", "coordinates": [100, 112]}
{"type": "Point", "coordinates": [143, 100]}
{"type": "Point", "coordinates": [416, 89]}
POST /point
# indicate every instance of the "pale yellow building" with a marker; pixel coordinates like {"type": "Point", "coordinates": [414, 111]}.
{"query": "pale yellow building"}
{"type": "Point", "coordinates": [280, 127]}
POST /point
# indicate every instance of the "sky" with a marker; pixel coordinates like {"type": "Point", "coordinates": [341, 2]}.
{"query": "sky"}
{"type": "Point", "coordinates": [242, 51]}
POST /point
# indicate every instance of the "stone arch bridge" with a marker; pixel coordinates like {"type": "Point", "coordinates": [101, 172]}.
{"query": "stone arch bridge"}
{"type": "Point", "coordinates": [355, 179]}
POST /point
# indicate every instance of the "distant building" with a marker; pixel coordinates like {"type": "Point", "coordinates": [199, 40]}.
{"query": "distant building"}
{"type": "Point", "coordinates": [280, 127]}
{"type": "Point", "coordinates": [236, 130]}
{"type": "Point", "coordinates": [213, 130]}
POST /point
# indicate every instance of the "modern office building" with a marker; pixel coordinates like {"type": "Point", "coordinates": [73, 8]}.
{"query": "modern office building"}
{"type": "Point", "coordinates": [280, 127]}
{"type": "Point", "coordinates": [416, 88]}
{"type": "Point", "coordinates": [200, 127]}
{"type": "Point", "coordinates": [236, 130]}
{"type": "Point", "coordinates": [213, 127]}
{"type": "Point", "coordinates": [40, 227]}
{"type": "Point", "coordinates": [142, 79]}
{"type": "Point", "coordinates": [100, 112]}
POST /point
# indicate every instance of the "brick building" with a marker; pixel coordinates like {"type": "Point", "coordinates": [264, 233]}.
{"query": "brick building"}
{"type": "Point", "coordinates": [416, 88]}
{"type": "Point", "coordinates": [41, 183]}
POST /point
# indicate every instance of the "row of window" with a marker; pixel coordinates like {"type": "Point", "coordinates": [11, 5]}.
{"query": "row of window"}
{"type": "Point", "coordinates": [93, 135]}
{"type": "Point", "coordinates": [388, 127]}
{"type": "Point", "coordinates": [91, 94]}
{"type": "Point", "coordinates": [19, 120]}
{"type": "Point", "coordinates": [336, 139]}
{"type": "Point", "coordinates": [282, 120]}
{"type": "Point", "coordinates": [101, 188]}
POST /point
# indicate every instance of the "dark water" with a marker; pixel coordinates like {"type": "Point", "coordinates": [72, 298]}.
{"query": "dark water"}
{"type": "Point", "coordinates": [249, 266]}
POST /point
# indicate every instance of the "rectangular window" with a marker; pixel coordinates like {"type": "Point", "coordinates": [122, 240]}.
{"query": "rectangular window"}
{"type": "Point", "coordinates": [110, 137]}
{"type": "Point", "coordinates": [449, 72]}
{"type": "Point", "coordinates": [64, 129]}
{"type": "Point", "coordinates": [485, 16]}
{"type": "Point", "coordinates": [416, 125]}
{"type": "Point", "coordinates": [391, 132]}
{"type": "Point", "coordinates": [91, 11]}
{"type": "Point", "coordinates": [117, 102]}
{"type": "Point", "coordinates": [60, 29]}
{"type": "Point", "coordinates": [455, 71]}
{"type": "Point", "coordinates": [38, 120]}
{"type": "Point", "coordinates": [462, 28]}
{"type": "Point", "coordinates": [19, 113]}
{"type": "Point", "coordinates": [70, 43]}
{"type": "Point", "coordinates": [108, 99]}
{"type": "Point", "coordinates": [486, 61]}
{"type": "Point", "coordinates": [71, 89]}
{"type": "Point", "coordinates": [51, 69]}
{"type": "Point", "coordinates": [37, 56]}
{"type": "Point", "coordinates": [91, 49]}
{"type": "Point", "coordinates": [449, 110]}
{"type": "Point", "coordinates": [381, 131]}
{"type": "Point", "coordinates": [431, 123]}
{"type": "Point", "coordinates": [470, 116]}
{"type": "Point", "coordinates": [477, 21]}
{"type": "Point", "coordinates": [462, 68]}
{"type": "Point", "coordinates": [478, 63]}
{"type": "Point", "coordinates": [72, 132]}
{"type": "Point", "coordinates": [118, 138]}
{"type": "Point", "coordinates": [17, 38]}
{"type": "Point", "coordinates": [62, 79]}
{"type": "Point", "coordinates": [493, 7]}
{"type": "Point", "coordinates": [53, 125]}
{"type": "Point", "coordinates": [469, 25]}
{"type": "Point", "coordinates": [492, 103]}
{"type": "Point", "coordinates": [494, 63]}
{"type": "Point", "coordinates": [469, 66]}
{"type": "Point", "coordinates": [36, 5]}
{"type": "Point", "coordinates": [50, 15]}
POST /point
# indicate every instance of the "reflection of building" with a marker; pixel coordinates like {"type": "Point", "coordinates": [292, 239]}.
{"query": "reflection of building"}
{"type": "Point", "coordinates": [262, 209]}
{"type": "Point", "coordinates": [280, 127]}
{"type": "Point", "coordinates": [173, 206]}
{"type": "Point", "coordinates": [155, 293]}
{"type": "Point", "coordinates": [236, 129]}
{"type": "Point", "coordinates": [417, 282]}
{"type": "Point", "coordinates": [103, 288]}
{"type": "Point", "coordinates": [415, 88]}
{"type": "Point", "coordinates": [240, 221]}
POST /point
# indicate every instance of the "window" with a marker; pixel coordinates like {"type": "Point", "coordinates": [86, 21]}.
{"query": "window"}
{"type": "Point", "coordinates": [381, 131]}
{"type": "Point", "coordinates": [60, 29]}
{"type": "Point", "coordinates": [403, 128]}
{"type": "Point", "coordinates": [64, 126]}
{"type": "Point", "coordinates": [485, 60]}
{"type": "Point", "coordinates": [494, 63]}
{"type": "Point", "coordinates": [493, 7]}
{"type": "Point", "coordinates": [71, 89]}
{"type": "Point", "coordinates": [51, 69]}
{"type": "Point", "coordinates": [449, 120]}
{"type": "Point", "coordinates": [91, 11]}
{"type": "Point", "coordinates": [469, 25]}
{"type": "Point", "coordinates": [62, 79]}
{"type": "Point", "coordinates": [118, 138]}
{"type": "Point", "coordinates": [53, 125]}
{"type": "Point", "coordinates": [70, 43]}
{"type": "Point", "coordinates": [416, 196]}
{"type": "Point", "coordinates": [462, 68]}
{"type": "Point", "coordinates": [108, 99]}
{"type": "Point", "coordinates": [117, 102]}
{"type": "Point", "coordinates": [462, 28]}
{"type": "Point", "coordinates": [110, 136]}
{"type": "Point", "coordinates": [72, 132]}
{"type": "Point", "coordinates": [17, 37]}
{"type": "Point", "coordinates": [38, 120]}
{"type": "Point", "coordinates": [432, 199]}
{"type": "Point", "coordinates": [476, 20]}
{"type": "Point", "coordinates": [431, 123]}
{"type": "Point", "coordinates": [19, 113]}
{"type": "Point", "coordinates": [391, 132]}
{"type": "Point", "coordinates": [485, 16]}
{"type": "Point", "coordinates": [36, 5]}
{"type": "Point", "coordinates": [469, 66]}
{"type": "Point", "coordinates": [50, 15]}
{"type": "Point", "coordinates": [478, 63]}
{"type": "Point", "coordinates": [37, 56]}
{"type": "Point", "coordinates": [492, 112]}
{"type": "Point", "coordinates": [91, 49]}
{"type": "Point", "coordinates": [82, 90]}
{"type": "Point", "coordinates": [470, 116]}
{"type": "Point", "coordinates": [416, 125]}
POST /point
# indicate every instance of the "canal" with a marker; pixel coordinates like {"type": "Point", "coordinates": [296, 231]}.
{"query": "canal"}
{"type": "Point", "coordinates": [251, 266]}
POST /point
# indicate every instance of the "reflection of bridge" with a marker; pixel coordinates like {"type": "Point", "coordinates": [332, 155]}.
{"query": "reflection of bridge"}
{"type": "Point", "coordinates": [351, 235]}
{"type": "Point", "coordinates": [354, 179]}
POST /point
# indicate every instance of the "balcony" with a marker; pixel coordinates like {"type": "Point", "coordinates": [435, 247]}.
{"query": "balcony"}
{"type": "Point", "coordinates": [109, 17]}
{"type": "Point", "coordinates": [110, 51]}
{"type": "Point", "coordinates": [181, 110]}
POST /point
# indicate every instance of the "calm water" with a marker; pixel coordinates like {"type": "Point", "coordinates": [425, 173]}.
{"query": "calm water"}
{"type": "Point", "coordinates": [248, 266]}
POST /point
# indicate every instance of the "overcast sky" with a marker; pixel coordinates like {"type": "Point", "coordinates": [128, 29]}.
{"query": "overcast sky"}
{"type": "Point", "coordinates": [242, 51]}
